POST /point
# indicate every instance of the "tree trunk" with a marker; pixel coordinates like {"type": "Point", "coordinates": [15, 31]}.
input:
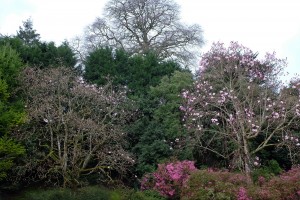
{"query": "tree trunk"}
{"type": "Point", "coordinates": [246, 160]}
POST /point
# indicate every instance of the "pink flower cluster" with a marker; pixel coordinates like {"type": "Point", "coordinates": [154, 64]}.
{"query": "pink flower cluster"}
{"type": "Point", "coordinates": [292, 139]}
{"type": "Point", "coordinates": [169, 178]}
{"type": "Point", "coordinates": [242, 194]}
{"type": "Point", "coordinates": [240, 57]}
{"type": "Point", "coordinates": [236, 95]}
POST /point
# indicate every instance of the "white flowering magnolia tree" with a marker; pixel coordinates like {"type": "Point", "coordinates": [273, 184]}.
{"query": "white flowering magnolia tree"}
{"type": "Point", "coordinates": [73, 128]}
{"type": "Point", "coordinates": [236, 100]}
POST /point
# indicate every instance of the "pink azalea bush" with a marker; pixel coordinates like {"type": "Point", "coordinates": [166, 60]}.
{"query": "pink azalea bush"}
{"type": "Point", "coordinates": [242, 194]}
{"type": "Point", "coordinates": [169, 178]}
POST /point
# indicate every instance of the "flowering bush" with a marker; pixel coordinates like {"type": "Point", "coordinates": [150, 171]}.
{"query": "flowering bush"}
{"type": "Point", "coordinates": [242, 194]}
{"type": "Point", "coordinates": [211, 184]}
{"type": "Point", "coordinates": [169, 178]}
{"type": "Point", "coordinates": [285, 186]}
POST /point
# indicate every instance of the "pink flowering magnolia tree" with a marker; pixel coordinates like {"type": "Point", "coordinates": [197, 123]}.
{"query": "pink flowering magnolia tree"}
{"type": "Point", "coordinates": [292, 138]}
{"type": "Point", "coordinates": [74, 128]}
{"type": "Point", "coordinates": [236, 99]}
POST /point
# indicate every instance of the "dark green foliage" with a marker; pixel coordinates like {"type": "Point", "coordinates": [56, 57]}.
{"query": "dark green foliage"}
{"type": "Point", "coordinates": [27, 34]}
{"type": "Point", "coordinates": [268, 171]}
{"type": "Point", "coordinates": [147, 71]}
{"type": "Point", "coordinates": [42, 54]}
{"type": "Point", "coordinates": [89, 193]}
{"type": "Point", "coordinates": [9, 150]}
{"type": "Point", "coordinates": [146, 195]}
{"type": "Point", "coordinates": [65, 55]}
{"type": "Point", "coordinates": [103, 63]}
{"type": "Point", "coordinates": [11, 111]}
{"type": "Point", "coordinates": [137, 72]}
{"type": "Point", "coordinates": [151, 148]}
{"type": "Point", "coordinates": [159, 134]}
{"type": "Point", "coordinates": [167, 99]}
{"type": "Point", "coordinates": [50, 55]}
{"type": "Point", "coordinates": [34, 52]}
{"type": "Point", "coordinates": [53, 194]}
{"type": "Point", "coordinates": [10, 66]}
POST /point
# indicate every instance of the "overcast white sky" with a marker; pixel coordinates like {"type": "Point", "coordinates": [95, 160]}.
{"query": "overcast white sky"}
{"type": "Point", "coordinates": [262, 25]}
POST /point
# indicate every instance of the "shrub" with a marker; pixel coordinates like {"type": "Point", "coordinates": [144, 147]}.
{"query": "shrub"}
{"type": "Point", "coordinates": [285, 186]}
{"type": "Point", "coordinates": [169, 178]}
{"type": "Point", "coordinates": [50, 194]}
{"type": "Point", "coordinates": [210, 184]}
{"type": "Point", "coordinates": [242, 194]}
{"type": "Point", "coordinates": [86, 193]}
{"type": "Point", "coordinates": [267, 172]}
{"type": "Point", "coordinates": [90, 193]}
{"type": "Point", "coordinates": [146, 195]}
{"type": "Point", "coordinates": [95, 193]}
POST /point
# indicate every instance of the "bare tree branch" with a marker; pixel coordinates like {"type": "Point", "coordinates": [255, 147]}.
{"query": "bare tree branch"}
{"type": "Point", "coordinates": [140, 26]}
{"type": "Point", "coordinates": [80, 124]}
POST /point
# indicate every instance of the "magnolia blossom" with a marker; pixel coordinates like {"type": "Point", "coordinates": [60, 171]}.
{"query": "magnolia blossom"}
{"type": "Point", "coordinates": [221, 96]}
{"type": "Point", "coordinates": [214, 120]}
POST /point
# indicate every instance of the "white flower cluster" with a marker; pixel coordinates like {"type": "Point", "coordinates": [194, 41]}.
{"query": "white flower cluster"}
{"type": "Point", "coordinates": [292, 139]}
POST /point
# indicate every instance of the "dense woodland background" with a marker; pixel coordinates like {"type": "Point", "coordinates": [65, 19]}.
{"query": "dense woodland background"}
{"type": "Point", "coordinates": [117, 114]}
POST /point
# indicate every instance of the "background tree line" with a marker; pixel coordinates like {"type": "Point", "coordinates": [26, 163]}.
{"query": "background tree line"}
{"type": "Point", "coordinates": [118, 103]}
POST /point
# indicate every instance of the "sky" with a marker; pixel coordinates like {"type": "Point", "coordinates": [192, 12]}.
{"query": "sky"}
{"type": "Point", "coordinates": [262, 25]}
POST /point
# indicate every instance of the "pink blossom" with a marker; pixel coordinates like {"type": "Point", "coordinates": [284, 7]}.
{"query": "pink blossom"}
{"type": "Point", "coordinates": [214, 120]}
{"type": "Point", "coordinates": [286, 137]}
{"type": "Point", "coordinates": [169, 178]}
{"type": "Point", "coordinates": [242, 194]}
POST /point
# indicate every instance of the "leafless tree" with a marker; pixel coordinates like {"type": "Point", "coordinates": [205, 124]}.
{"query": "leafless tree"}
{"type": "Point", "coordinates": [140, 26]}
{"type": "Point", "coordinates": [76, 127]}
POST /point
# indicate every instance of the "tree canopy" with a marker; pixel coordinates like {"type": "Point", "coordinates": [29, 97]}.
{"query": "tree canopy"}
{"type": "Point", "coordinates": [11, 109]}
{"type": "Point", "coordinates": [35, 52]}
{"type": "Point", "coordinates": [73, 128]}
{"type": "Point", "coordinates": [140, 26]}
{"type": "Point", "coordinates": [137, 72]}
{"type": "Point", "coordinates": [27, 34]}
{"type": "Point", "coordinates": [235, 108]}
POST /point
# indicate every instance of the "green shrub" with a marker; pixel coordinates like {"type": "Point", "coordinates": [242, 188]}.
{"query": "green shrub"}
{"type": "Point", "coordinates": [146, 195]}
{"type": "Point", "coordinates": [86, 193]}
{"type": "Point", "coordinates": [285, 186]}
{"type": "Point", "coordinates": [94, 193]}
{"type": "Point", "coordinates": [208, 184]}
{"type": "Point", "coordinates": [51, 194]}
{"type": "Point", "coordinates": [90, 193]}
{"type": "Point", "coordinates": [271, 169]}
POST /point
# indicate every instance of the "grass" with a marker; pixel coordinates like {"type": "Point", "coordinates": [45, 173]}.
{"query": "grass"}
{"type": "Point", "coordinates": [87, 193]}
